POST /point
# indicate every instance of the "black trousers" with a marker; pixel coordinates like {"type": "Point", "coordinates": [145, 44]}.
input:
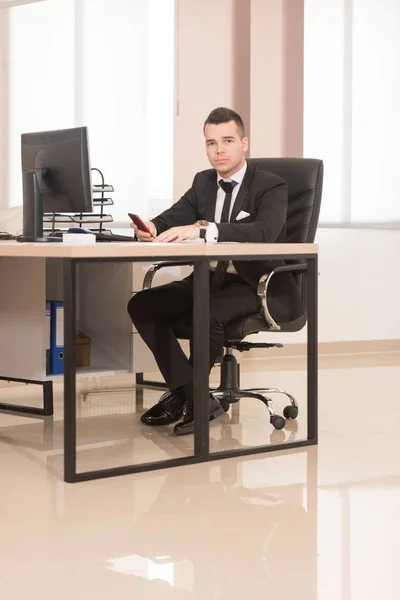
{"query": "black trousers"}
{"type": "Point", "coordinates": [155, 311]}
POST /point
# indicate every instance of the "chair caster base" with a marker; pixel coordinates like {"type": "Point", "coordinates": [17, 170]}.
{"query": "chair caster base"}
{"type": "Point", "coordinates": [226, 397]}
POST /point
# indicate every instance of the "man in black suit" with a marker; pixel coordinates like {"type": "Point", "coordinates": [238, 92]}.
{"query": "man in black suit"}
{"type": "Point", "coordinates": [233, 202]}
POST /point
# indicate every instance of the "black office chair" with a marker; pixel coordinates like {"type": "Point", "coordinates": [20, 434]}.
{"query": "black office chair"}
{"type": "Point", "coordinates": [304, 177]}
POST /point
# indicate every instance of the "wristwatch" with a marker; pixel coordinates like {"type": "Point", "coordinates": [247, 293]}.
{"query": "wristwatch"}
{"type": "Point", "coordinates": [203, 228]}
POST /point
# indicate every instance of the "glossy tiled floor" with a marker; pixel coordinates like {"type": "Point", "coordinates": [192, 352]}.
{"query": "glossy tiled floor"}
{"type": "Point", "coordinates": [322, 523]}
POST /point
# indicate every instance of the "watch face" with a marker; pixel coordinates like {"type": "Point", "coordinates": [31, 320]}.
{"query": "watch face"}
{"type": "Point", "coordinates": [202, 223]}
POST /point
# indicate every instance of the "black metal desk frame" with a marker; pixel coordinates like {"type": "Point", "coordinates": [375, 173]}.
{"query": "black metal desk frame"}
{"type": "Point", "coordinates": [201, 374]}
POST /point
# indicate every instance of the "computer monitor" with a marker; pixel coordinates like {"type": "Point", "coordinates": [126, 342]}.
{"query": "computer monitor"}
{"type": "Point", "coordinates": [56, 177]}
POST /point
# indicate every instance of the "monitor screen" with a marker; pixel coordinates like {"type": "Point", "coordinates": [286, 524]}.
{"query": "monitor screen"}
{"type": "Point", "coordinates": [63, 159]}
{"type": "Point", "coordinates": [56, 177]}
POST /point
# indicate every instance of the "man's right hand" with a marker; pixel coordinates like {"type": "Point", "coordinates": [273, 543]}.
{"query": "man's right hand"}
{"type": "Point", "coordinates": [143, 236]}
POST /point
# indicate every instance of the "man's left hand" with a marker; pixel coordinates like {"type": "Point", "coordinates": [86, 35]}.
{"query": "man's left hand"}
{"type": "Point", "coordinates": [178, 234]}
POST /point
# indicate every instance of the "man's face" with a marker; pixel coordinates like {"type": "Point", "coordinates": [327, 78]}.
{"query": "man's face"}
{"type": "Point", "coordinates": [225, 150]}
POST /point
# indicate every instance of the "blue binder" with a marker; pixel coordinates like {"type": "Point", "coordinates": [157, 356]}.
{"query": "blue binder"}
{"type": "Point", "coordinates": [57, 338]}
{"type": "Point", "coordinates": [48, 337]}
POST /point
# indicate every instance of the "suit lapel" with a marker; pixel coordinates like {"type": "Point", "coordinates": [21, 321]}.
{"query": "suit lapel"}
{"type": "Point", "coordinates": [210, 197]}
{"type": "Point", "coordinates": [243, 192]}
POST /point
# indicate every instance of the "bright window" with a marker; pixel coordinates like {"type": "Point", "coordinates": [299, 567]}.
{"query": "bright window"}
{"type": "Point", "coordinates": [107, 64]}
{"type": "Point", "coordinates": [351, 116]}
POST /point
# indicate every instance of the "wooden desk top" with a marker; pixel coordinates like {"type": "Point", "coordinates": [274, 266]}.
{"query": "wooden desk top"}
{"type": "Point", "coordinates": [149, 251]}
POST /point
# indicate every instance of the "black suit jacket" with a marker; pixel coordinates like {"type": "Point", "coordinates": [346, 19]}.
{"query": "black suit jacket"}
{"type": "Point", "coordinates": [265, 197]}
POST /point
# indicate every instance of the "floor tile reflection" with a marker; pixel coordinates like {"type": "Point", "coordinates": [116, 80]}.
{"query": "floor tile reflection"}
{"type": "Point", "coordinates": [313, 524]}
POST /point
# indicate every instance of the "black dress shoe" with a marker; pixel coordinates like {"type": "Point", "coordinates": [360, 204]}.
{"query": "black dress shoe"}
{"type": "Point", "coordinates": [168, 410]}
{"type": "Point", "coordinates": [187, 424]}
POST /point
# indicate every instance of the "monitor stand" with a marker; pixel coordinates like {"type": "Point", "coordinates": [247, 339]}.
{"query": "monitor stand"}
{"type": "Point", "coordinates": [32, 228]}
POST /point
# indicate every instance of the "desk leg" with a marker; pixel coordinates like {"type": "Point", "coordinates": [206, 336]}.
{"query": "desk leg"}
{"type": "Point", "coordinates": [69, 371]}
{"type": "Point", "coordinates": [201, 351]}
{"type": "Point", "coordinates": [312, 350]}
{"type": "Point", "coordinates": [48, 407]}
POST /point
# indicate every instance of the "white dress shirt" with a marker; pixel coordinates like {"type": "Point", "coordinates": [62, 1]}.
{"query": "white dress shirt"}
{"type": "Point", "coordinates": [212, 229]}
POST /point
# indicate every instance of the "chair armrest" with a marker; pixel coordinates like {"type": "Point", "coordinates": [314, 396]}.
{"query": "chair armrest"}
{"type": "Point", "coordinates": [262, 289]}
{"type": "Point", "coordinates": [148, 278]}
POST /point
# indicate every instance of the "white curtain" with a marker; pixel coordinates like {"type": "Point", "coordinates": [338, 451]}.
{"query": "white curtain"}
{"type": "Point", "coordinates": [351, 106]}
{"type": "Point", "coordinates": [107, 64]}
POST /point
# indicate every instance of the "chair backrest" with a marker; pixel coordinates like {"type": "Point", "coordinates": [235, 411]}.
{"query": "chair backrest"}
{"type": "Point", "coordinates": [304, 177]}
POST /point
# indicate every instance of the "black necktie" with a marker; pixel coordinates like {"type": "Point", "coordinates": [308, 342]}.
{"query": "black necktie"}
{"type": "Point", "coordinates": [222, 265]}
{"type": "Point", "coordinates": [227, 186]}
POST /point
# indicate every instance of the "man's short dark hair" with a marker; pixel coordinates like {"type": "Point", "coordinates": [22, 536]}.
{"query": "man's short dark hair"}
{"type": "Point", "coordinates": [224, 115]}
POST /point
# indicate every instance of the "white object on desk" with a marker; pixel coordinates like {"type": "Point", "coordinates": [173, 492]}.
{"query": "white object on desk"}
{"type": "Point", "coordinates": [79, 238]}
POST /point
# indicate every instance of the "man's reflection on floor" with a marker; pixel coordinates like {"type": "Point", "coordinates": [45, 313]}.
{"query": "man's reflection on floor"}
{"type": "Point", "coordinates": [239, 540]}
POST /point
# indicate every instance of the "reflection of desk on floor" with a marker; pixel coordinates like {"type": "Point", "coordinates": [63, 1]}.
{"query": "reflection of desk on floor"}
{"type": "Point", "coordinates": [95, 283]}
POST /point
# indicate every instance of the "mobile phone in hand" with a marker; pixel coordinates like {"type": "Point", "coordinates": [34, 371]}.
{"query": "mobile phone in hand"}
{"type": "Point", "coordinates": [139, 223]}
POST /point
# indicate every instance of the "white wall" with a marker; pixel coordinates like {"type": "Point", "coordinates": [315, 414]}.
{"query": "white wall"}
{"type": "Point", "coordinates": [359, 287]}
{"type": "Point", "coordinates": [276, 69]}
{"type": "Point", "coordinates": [248, 57]}
{"type": "Point", "coordinates": [205, 80]}
{"type": "Point", "coordinates": [359, 284]}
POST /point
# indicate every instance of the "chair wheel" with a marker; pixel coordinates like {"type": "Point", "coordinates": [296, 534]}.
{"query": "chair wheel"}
{"type": "Point", "coordinates": [277, 421]}
{"type": "Point", "coordinates": [290, 412]}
